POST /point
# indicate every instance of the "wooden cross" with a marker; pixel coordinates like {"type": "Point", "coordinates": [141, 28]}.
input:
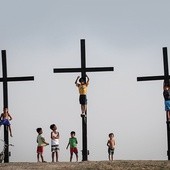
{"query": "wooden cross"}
{"type": "Point", "coordinates": [5, 79]}
{"type": "Point", "coordinates": [166, 78]}
{"type": "Point", "coordinates": [83, 71]}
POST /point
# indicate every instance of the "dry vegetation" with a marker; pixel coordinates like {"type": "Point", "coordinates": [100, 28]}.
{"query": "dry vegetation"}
{"type": "Point", "coordinates": [90, 165]}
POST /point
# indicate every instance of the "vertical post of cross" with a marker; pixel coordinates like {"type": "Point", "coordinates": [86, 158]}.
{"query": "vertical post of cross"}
{"type": "Point", "coordinates": [5, 104]}
{"type": "Point", "coordinates": [84, 118]}
{"type": "Point", "coordinates": [166, 81]}
{"type": "Point", "coordinates": [165, 61]}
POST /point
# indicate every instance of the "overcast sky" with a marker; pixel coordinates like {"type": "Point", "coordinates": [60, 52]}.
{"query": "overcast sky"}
{"type": "Point", "coordinates": [40, 35]}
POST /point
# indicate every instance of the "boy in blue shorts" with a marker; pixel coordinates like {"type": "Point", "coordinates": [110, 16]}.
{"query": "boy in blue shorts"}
{"type": "Point", "coordinates": [166, 94]}
{"type": "Point", "coordinates": [5, 119]}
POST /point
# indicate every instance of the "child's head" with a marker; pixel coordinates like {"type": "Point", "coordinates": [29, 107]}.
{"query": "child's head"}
{"type": "Point", "coordinates": [5, 109]}
{"type": "Point", "coordinates": [53, 127]}
{"type": "Point", "coordinates": [166, 86]}
{"type": "Point", "coordinates": [81, 80]}
{"type": "Point", "coordinates": [39, 130]}
{"type": "Point", "coordinates": [111, 135]}
{"type": "Point", "coordinates": [73, 134]}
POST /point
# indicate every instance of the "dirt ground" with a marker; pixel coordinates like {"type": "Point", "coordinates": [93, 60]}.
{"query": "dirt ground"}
{"type": "Point", "coordinates": [90, 165]}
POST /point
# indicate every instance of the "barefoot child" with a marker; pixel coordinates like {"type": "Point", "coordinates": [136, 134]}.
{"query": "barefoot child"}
{"type": "Point", "coordinates": [111, 146]}
{"type": "Point", "coordinates": [82, 86]}
{"type": "Point", "coordinates": [54, 142]}
{"type": "Point", "coordinates": [41, 143]}
{"type": "Point", "coordinates": [73, 146]}
{"type": "Point", "coordinates": [5, 119]}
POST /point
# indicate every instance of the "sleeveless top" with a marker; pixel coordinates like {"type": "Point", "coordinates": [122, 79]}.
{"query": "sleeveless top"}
{"type": "Point", "coordinates": [54, 141]}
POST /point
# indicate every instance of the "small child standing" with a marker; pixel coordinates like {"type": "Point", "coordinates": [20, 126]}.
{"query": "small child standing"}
{"type": "Point", "coordinates": [5, 119]}
{"type": "Point", "coordinates": [111, 146]}
{"type": "Point", "coordinates": [41, 143]}
{"type": "Point", "coordinates": [54, 142]}
{"type": "Point", "coordinates": [73, 146]}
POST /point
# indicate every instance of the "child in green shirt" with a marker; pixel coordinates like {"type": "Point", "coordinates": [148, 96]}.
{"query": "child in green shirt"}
{"type": "Point", "coordinates": [73, 146]}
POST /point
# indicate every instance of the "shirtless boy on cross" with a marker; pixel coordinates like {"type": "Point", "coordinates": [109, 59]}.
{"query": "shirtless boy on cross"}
{"type": "Point", "coordinates": [5, 119]}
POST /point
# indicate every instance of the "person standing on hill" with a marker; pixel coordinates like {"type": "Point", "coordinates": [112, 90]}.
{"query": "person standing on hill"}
{"type": "Point", "coordinates": [54, 142]}
{"type": "Point", "coordinates": [73, 146]}
{"type": "Point", "coordinates": [111, 146]}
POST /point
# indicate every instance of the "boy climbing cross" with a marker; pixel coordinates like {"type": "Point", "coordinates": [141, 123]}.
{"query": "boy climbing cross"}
{"type": "Point", "coordinates": [5, 119]}
{"type": "Point", "coordinates": [166, 94]}
{"type": "Point", "coordinates": [82, 86]}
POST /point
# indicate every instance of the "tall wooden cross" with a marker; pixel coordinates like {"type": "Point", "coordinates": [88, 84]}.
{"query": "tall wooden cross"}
{"type": "Point", "coordinates": [5, 79]}
{"type": "Point", "coordinates": [166, 78]}
{"type": "Point", "coordinates": [83, 71]}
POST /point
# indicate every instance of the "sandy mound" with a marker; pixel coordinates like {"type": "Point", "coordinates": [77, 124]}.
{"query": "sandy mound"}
{"type": "Point", "coordinates": [91, 165]}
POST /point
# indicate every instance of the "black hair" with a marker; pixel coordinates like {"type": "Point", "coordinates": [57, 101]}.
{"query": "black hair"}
{"type": "Point", "coordinates": [38, 130]}
{"type": "Point", "coordinates": [52, 126]}
{"type": "Point", "coordinates": [81, 80]}
{"type": "Point", "coordinates": [110, 134]}
{"type": "Point", "coordinates": [73, 133]}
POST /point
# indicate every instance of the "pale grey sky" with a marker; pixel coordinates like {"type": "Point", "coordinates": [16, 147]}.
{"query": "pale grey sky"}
{"type": "Point", "coordinates": [40, 35]}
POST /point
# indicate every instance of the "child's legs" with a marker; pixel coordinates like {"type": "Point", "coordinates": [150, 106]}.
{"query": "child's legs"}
{"type": "Point", "coordinates": [42, 158]}
{"type": "Point", "coordinates": [76, 156]}
{"type": "Point", "coordinates": [38, 157]}
{"type": "Point", "coordinates": [52, 155]}
{"type": "Point", "coordinates": [76, 153]}
{"type": "Point", "coordinates": [109, 157]}
{"type": "Point", "coordinates": [71, 157]}
{"type": "Point", "coordinates": [56, 154]}
{"type": "Point", "coordinates": [168, 114]}
{"type": "Point", "coordinates": [10, 130]}
{"type": "Point", "coordinates": [112, 157]}
{"type": "Point", "coordinates": [83, 108]}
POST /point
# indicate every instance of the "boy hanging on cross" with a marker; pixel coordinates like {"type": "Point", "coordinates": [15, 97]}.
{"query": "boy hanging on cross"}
{"type": "Point", "coordinates": [82, 86]}
{"type": "Point", "coordinates": [166, 94]}
{"type": "Point", "coordinates": [5, 119]}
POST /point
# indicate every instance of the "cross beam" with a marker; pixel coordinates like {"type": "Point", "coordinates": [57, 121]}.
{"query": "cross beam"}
{"type": "Point", "coordinates": [5, 81]}
{"type": "Point", "coordinates": [166, 78]}
{"type": "Point", "coordinates": [83, 71]}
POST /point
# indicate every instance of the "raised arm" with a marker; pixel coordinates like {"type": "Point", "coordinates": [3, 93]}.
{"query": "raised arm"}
{"type": "Point", "coordinates": [87, 79]}
{"type": "Point", "coordinates": [77, 80]}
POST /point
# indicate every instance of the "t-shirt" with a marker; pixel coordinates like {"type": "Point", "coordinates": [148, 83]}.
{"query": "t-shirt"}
{"type": "Point", "coordinates": [73, 142]}
{"type": "Point", "coordinates": [83, 89]}
{"type": "Point", "coordinates": [40, 140]}
{"type": "Point", "coordinates": [166, 94]}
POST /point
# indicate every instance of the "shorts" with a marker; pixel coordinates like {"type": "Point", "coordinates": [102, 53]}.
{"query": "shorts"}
{"type": "Point", "coordinates": [73, 150]}
{"type": "Point", "coordinates": [5, 122]}
{"type": "Point", "coordinates": [111, 151]}
{"type": "Point", "coordinates": [39, 149]}
{"type": "Point", "coordinates": [54, 148]}
{"type": "Point", "coordinates": [83, 99]}
{"type": "Point", "coordinates": [167, 105]}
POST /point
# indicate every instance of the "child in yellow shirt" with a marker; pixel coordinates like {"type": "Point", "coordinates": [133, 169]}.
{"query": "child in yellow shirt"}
{"type": "Point", "coordinates": [82, 86]}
